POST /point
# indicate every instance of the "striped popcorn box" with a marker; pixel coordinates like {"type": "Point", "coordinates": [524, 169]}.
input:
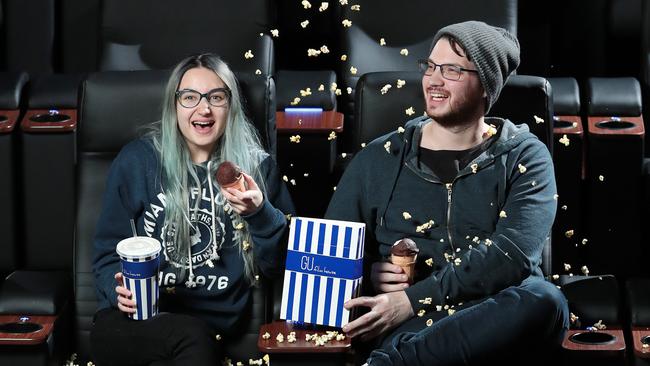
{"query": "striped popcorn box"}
{"type": "Point", "coordinates": [324, 269]}
{"type": "Point", "coordinates": [140, 257]}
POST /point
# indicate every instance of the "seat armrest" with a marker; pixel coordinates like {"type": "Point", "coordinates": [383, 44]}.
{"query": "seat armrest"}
{"type": "Point", "coordinates": [35, 292]}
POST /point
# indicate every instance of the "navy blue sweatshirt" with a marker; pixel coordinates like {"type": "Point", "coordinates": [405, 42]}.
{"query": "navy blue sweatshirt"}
{"type": "Point", "coordinates": [481, 233]}
{"type": "Point", "coordinates": [223, 291]}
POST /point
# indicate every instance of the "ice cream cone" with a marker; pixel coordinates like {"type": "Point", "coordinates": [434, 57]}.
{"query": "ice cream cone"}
{"type": "Point", "coordinates": [407, 263]}
{"type": "Point", "coordinates": [239, 184]}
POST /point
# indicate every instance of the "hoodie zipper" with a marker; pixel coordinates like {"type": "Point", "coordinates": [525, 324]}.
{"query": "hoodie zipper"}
{"type": "Point", "coordinates": [449, 187]}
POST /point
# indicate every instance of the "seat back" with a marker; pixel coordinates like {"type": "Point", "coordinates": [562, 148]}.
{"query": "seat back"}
{"type": "Point", "coordinates": [522, 99]}
{"type": "Point", "coordinates": [155, 34]}
{"type": "Point", "coordinates": [114, 106]}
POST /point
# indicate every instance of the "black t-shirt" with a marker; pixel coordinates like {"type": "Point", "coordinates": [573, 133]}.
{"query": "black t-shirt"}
{"type": "Point", "coordinates": [446, 164]}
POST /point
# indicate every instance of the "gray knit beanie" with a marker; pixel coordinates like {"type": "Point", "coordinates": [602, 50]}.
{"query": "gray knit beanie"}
{"type": "Point", "coordinates": [494, 51]}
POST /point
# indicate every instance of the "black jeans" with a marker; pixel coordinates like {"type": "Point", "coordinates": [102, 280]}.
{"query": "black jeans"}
{"type": "Point", "coordinates": [526, 321]}
{"type": "Point", "coordinates": [164, 340]}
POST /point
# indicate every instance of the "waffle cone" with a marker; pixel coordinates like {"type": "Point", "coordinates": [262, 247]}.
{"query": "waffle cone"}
{"type": "Point", "coordinates": [407, 263]}
{"type": "Point", "coordinates": [239, 184]}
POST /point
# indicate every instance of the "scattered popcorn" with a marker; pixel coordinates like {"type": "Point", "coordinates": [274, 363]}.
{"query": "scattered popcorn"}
{"type": "Point", "coordinates": [421, 313]}
{"type": "Point", "coordinates": [601, 178]}
{"type": "Point", "coordinates": [585, 270]}
{"type": "Point", "coordinates": [295, 139]}
{"type": "Point", "coordinates": [266, 359]}
{"type": "Point", "coordinates": [349, 90]}
{"type": "Point", "coordinates": [503, 214]}
{"type": "Point", "coordinates": [429, 322]}
{"type": "Point", "coordinates": [533, 183]}
{"type": "Point", "coordinates": [426, 301]}
{"type": "Point", "coordinates": [457, 261]}
{"type": "Point", "coordinates": [556, 196]}
{"type": "Point", "coordinates": [538, 120]}
{"type": "Point", "coordinates": [306, 4]}
{"type": "Point", "coordinates": [321, 87]}
{"type": "Point", "coordinates": [344, 57]}
{"type": "Point", "coordinates": [564, 207]}
{"type": "Point", "coordinates": [555, 277]}
{"type": "Point", "coordinates": [382, 42]}
{"type": "Point", "coordinates": [280, 338]}
{"type": "Point", "coordinates": [311, 52]}
{"type": "Point", "coordinates": [488, 242]}
{"type": "Point", "coordinates": [252, 362]}
{"type": "Point", "coordinates": [305, 175]}
{"type": "Point", "coordinates": [257, 278]}
{"type": "Point", "coordinates": [569, 233]}
{"type": "Point", "coordinates": [304, 24]}
{"type": "Point", "coordinates": [567, 267]}
{"type": "Point", "coordinates": [292, 181]}
{"type": "Point", "coordinates": [387, 146]}
{"type": "Point", "coordinates": [424, 227]}
{"type": "Point", "coordinates": [291, 338]}
{"type": "Point", "coordinates": [363, 144]}
{"type": "Point", "coordinates": [323, 6]}
{"type": "Point", "coordinates": [353, 70]}
{"type": "Point", "coordinates": [331, 136]}
{"type": "Point", "coordinates": [346, 23]}
{"type": "Point", "coordinates": [305, 92]}
{"type": "Point", "coordinates": [284, 178]}
{"type": "Point", "coordinates": [295, 101]}
{"type": "Point", "coordinates": [246, 245]}
{"type": "Point", "coordinates": [410, 111]}
{"type": "Point", "coordinates": [451, 311]}
{"type": "Point", "coordinates": [258, 72]}
{"type": "Point", "coordinates": [356, 7]}
{"type": "Point", "coordinates": [248, 54]}
{"type": "Point", "coordinates": [400, 83]}
{"type": "Point", "coordinates": [275, 33]}
{"type": "Point", "coordinates": [645, 345]}
{"type": "Point", "coordinates": [239, 226]}
{"type": "Point", "coordinates": [600, 326]}
{"type": "Point", "coordinates": [492, 130]}
{"type": "Point", "coordinates": [474, 168]}
{"type": "Point", "coordinates": [343, 2]}
{"type": "Point", "coordinates": [384, 89]}
{"type": "Point", "coordinates": [574, 318]}
{"type": "Point", "coordinates": [522, 169]}
{"type": "Point", "coordinates": [404, 52]}
{"type": "Point", "coordinates": [337, 91]}
{"type": "Point", "coordinates": [400, 129]}
{"type": "Point", "coordinates": [564, 140]}
{"type": "Point", "coordinates": [340, 337]}
{"type": "Point", "coordinates": [218, 337]}
{"type": "Point", "coordinates": [406, 215]}
{"type": "Point", "coordinates": [475, 240]}
{"type": "Point", "coordinates": [324, 49]}
{"type": "Point", "coordinates": [343, 155]}
{"type": "Point", "coordinates": [429, 262]}
{"type": "Point", "coordinates": [584, 241]}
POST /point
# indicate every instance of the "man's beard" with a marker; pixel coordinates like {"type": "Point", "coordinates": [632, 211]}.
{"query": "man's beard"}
{"type": "Point", "coordinates": [466, 115]}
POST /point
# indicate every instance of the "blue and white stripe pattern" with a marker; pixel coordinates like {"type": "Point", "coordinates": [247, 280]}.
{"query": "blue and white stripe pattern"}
{"type": "Point", "coordinates": [324, 269]}
{"type": "Point", "coordinates": [141, 278]}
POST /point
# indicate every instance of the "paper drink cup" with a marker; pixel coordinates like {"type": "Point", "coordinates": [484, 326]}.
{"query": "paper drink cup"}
{"type": "Point", "coordinates": [140, 257]}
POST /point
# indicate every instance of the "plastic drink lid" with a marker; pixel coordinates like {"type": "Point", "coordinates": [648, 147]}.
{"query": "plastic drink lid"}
{"type": "Point", "coordinates": [139, 247]}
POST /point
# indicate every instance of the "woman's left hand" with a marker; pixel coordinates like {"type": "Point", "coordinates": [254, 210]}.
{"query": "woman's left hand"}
{"type": "Point", "coordinates": [245, 203]}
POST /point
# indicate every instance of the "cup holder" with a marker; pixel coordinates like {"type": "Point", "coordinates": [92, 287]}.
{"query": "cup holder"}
{"type": "Point", "coordinates": [49, 118]}
{"type": "Point", "coordinates": [20, 327]}
{"type": "Point", "coordinates": [615, 125]}
{"type": "Point", "coordinates": [593, 338]}
{"type": "Point", "coordinates": [560, 123]}
{"type": "Point", "coordinates": [3, 119]}
{"type": "Point", "coordinates": [645, 340]}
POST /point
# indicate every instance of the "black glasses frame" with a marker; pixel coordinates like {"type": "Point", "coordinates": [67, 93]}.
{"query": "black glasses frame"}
{"type": "Point", "coordinates": [424, 65]}
{"type": "Point", "coordinates": [205, 95]}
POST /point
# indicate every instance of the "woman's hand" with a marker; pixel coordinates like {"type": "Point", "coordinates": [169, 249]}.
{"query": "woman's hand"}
{"type": "Point", "coordinates": [124, 301]}
{"type": "Point", "coordinates": [245, 203]}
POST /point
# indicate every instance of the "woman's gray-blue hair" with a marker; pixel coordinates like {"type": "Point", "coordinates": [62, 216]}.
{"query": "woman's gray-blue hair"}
{"type": "Point", "coordinates": [239, 143]}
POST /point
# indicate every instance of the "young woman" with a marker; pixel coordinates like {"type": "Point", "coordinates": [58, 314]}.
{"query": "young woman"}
{"type": "Point", "coordinates": [215, 241]}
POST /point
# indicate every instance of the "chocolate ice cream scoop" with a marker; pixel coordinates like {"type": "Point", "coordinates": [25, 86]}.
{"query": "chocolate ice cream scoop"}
{"type": "Point", "coordinates": [404, 248]}
{"type": "Point", "coordinates": [228, 174]}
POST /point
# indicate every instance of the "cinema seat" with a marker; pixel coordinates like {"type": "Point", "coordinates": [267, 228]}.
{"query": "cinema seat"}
{"type": "Point", "coordinates": [115, 105]}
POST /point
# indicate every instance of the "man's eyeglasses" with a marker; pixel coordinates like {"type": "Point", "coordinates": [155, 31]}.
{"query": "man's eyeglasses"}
{"type": "Point", "coordinates": [189, 98]}
{"type": "Point", "coordinates": [449, 72]}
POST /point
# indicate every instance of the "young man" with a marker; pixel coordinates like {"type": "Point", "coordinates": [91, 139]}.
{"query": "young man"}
{"type": "Point", "coordinates": [477, 195]}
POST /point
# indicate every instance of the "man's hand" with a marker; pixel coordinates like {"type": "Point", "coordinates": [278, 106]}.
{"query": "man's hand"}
{"type": "Point", "coordinates": [387, 277]}
{"type": "Point", "coordinates": [386, 312]}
